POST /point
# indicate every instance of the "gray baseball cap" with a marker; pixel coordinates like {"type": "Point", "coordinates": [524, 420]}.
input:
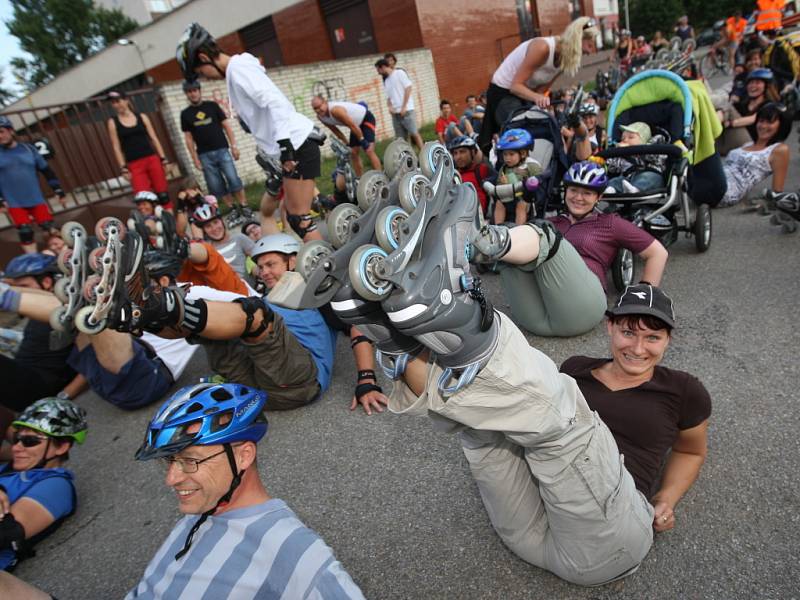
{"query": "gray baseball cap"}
{"type": "Point", "coordinates": [644, 299]}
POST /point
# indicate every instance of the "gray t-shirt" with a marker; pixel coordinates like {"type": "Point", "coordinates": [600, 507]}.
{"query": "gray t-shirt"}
{"type": "Point", "coordinates": [235, 251]}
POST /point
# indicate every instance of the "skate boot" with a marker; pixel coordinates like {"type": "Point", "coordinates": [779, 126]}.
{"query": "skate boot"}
{"type": "Point", "coordinates": [392, 349]}
{"type": "Point", "coordinates": [788, 210]}
{"type": "Point", "coordinates": [431, 293]}
{"type": "Point", "coordinates": [119, 279]}
{"type": "Point", "coordinates": [72, 262]}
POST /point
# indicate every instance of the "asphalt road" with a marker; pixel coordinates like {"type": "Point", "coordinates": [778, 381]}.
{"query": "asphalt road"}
{"type": "Point", "coordinates": [396, 501]}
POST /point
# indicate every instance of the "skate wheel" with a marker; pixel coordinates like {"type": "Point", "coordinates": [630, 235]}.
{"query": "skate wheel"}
{"type": "Point", "coordinates": [159, 227]}
{"type": "Point", "coordinates": [60, 290]}
{"type": "Point", "coordinates": [399, 158]}
{"type": "Point", "coordinates": [71, 231]}
{"type": "Point", "coordinates": [63, 260]}
{"type": "Point", "coordinates": [59, 321]}
{"type": "Point", "coordinates": [363, 273]}
{"type": "Point", "coordinates": [432, 156]}
{"type": "Point", "coordinates": [413, 187]}
{"type": "Point", "coordinates": [340, 222]}
{"type": "Point", "coordinates": [775, 219]}
{"type": "Point", "coordinates": [84, 324]}
{"type": "Point", "coordinates": [131, 224]}
{"type": "Point", "coordinates": [310, 254]}
{"type": "Point", "coordinates": [373, 186]}
{"type": "Point", "coordinates": [159, 210]}
{"type": "Point", "coordinates": [89, 286]}
{"type": "Point", "coordinates": [789, 227]}
{"type": "Point", "coordinates": [96, 259]}
{"type": "Point", "coordinates": [160, 244]}
{"type": "Point", "coordinates": [106, 225]}
{"type": "Point", "coordinates": [387, 227]}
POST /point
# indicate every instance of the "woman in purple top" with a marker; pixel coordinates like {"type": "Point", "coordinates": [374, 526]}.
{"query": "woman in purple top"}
{"type": "Point", "coordinates": [554, 272]}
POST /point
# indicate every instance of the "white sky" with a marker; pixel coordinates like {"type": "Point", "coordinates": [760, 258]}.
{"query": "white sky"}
{"type": "Point", "coordinates": [9, 48]}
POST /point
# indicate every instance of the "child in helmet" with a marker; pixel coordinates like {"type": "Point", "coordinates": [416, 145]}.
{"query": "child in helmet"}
{"type": "Point", "coordinates": [514, 146]}
{"type": "Point", "coordinates": [234, 246]}
{"type": "Point", "coordinates": [34, 486]}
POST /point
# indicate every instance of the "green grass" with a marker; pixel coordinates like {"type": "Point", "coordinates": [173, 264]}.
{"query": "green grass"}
{"type": "Point", "coordinates": [254, 191]}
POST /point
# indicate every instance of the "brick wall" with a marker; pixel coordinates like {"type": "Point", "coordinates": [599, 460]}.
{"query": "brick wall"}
{"type": "Point", "coordinates": [468, 42]}
{"type": "Point", "coordinates": [302, 34]}
{"type": "Point", "coordinates": [395, 24]}
{"type": "Point", "coordinates": [350, 79]}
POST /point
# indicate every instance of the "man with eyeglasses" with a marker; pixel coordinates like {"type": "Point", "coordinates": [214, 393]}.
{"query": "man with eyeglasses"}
{"type": "Point", "coordinates": [244, 544]}
{"type": "Point", "coordinates": [36, 491]}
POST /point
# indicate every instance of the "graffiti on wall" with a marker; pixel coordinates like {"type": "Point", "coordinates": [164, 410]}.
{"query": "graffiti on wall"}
{"type": "Point", "coordinates": [331, 89]}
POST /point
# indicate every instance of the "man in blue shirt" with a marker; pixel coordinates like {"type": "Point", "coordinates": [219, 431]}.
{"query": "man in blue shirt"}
{"type": "Point", "coordinates": [36, 491]}
{"type": "Point", "coordinates": [235, 541]}
{"type": "Point", "coordinates": [20, 193]}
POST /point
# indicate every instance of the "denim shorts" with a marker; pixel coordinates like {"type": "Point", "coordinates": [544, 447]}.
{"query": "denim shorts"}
{"type": "Point", "coordinates": [220, 172]}
{"type": "Point", "coordinates": [141, 381]}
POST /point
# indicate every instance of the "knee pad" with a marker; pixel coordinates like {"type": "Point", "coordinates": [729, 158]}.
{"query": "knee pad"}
{"type": "Point", "coordinates": [250, 306]}
{"type": "Point", "coordinates": [25, 234]}
{"type": "Point", "coordinates": [296, 222]}
{"type": "Point", "coordinates": [163, 198]}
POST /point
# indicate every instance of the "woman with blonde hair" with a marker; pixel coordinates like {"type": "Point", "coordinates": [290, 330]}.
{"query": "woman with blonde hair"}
{"type": "Point", "coordinates": [528, 72]}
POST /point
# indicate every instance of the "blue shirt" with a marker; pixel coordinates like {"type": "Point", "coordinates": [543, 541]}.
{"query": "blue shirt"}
{"type": "Point", "coordinates": [52, 488]}
{"type": "Point", "coordinates": [260, 552]}
{"type": "Point", "coordinates": [19, 179]}
{"type": "Point", "coordinates": [314, 335]}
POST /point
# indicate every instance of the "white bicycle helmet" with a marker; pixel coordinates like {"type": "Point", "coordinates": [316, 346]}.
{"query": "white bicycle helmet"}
{"type": "Point", "coordinates": [145, 196]}
{"type": "Point", "coordinates": [277, 242]}
{"type": "Point", "coordinates": [205, 213]}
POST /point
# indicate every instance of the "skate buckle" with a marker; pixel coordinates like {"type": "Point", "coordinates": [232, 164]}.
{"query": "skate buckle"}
{"type": "Point", "coordinates": [467, 376]}
{"type": "Point", "coordinates": [395, 371]}
{"type": "Point", "coordinates": [472, 286]}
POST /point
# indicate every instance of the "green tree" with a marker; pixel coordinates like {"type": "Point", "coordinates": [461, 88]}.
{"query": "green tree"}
{"type": "Point", "coordinates": [648, 16]}
{"type": "Point", "coordinates": [704, 13]}
{"type": "Point", "coordinates": [59, 34]}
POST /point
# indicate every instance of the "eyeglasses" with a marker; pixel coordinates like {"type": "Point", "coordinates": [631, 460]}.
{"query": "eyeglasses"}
{"type": "Point", "coordinates": [187, 465]}
{"type": "Point", "coordinates": [28, 441]}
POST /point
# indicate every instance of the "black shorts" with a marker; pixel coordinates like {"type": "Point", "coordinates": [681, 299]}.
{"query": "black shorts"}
{"type": "Point", "coordinates": [308, 161]}
{"type": "Point", "coordinates": [367, 130]}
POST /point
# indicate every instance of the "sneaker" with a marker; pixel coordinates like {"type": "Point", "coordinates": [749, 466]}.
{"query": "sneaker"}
{"type": "Point", "coordinates": [789, 204]}
{"type": "Point", "coordinates": [629, 188]}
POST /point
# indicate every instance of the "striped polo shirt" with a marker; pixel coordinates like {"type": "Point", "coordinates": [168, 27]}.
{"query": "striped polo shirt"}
{"type": "Point", "coordinates": [257, 552]}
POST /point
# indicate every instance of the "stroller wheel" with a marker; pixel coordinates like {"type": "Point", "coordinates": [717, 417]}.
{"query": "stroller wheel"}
{"type": "Point", "coordinates": [702, 228]}
{"type": "Point", "coordinates": [622, 269]}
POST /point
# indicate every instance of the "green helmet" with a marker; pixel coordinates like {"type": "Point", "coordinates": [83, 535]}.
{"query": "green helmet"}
{"type": "Point", "coordinates": [55, 417]}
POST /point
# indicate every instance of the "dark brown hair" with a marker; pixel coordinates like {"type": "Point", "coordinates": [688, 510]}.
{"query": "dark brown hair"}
{"type": "Point", "coordinates": [637, 322]}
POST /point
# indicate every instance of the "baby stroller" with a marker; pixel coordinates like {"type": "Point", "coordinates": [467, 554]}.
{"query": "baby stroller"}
{"type": "Point", "coordinates": [548, 151]}
{"type": "Point", "coordinates": [663, 100]}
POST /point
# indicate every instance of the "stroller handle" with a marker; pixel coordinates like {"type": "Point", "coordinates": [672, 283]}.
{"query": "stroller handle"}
{"type": "Point", "coordinates": [666, 149]}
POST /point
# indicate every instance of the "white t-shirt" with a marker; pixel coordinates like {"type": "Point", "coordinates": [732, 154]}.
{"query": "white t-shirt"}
{"type": "Point", "coordinates": [175, 354]}
{"type": "Point", "coordinates": [395, 86]}
{"type": "Point", "coordinates": [355, 111]}
{"type": "Point", "coordinates": [258, 101]}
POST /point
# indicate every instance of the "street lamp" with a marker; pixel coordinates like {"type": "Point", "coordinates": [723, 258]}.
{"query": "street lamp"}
{"type": "Point", "coordinates": [130, 42]}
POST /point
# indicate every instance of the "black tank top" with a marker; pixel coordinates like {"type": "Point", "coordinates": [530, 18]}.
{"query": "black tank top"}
{"type": "Point", "coordinates": [134, 140]}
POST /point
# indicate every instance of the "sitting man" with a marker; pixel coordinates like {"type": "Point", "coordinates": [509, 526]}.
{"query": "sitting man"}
{"type": "Point", "coordinates": [36, 491]}
{"type": "Point", "coordinates": [39, 368]}
{"type": "Point", "coordinates": [448, 126]}
{"type": "Point", "coordinates": [356, 117]}
{"type": "Point", "coordinates": [287, 353]}
{"type": "Point", "coordinates": [275, 255]}
{"type": "Point", "coordinates": [234, 539]}
{"type": "Point", "coordinates": [474, 113]}
{"type": "Point", "coordinates": [470, 165]}
{"type": "Point", "coordinates": [653, 412]}
{"type": "Point", "coordinates": [637, 173]}
{"type": "Point", "coordinates": [233, 246]}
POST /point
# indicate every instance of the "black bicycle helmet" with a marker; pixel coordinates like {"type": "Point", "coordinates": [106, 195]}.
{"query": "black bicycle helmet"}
{"type": "Point", "coordinates": [160, 263]}
{"type": "Point", "coordinates": [195, 39]}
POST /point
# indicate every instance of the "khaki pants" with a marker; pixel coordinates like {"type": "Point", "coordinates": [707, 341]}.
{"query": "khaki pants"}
{"type": "Point", "coordinates": [547, 468]}
{"type": "Point", "coordinates": [279, 365]}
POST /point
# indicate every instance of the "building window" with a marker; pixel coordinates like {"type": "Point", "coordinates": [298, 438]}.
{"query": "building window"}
{"type": "Point", "coordinates": [349, 25]}
{"type": "Point", "coordinates": [261, 40]}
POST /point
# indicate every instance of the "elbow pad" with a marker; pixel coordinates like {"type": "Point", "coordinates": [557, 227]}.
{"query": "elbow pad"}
{"type": "Point", "coordinates": [12, 534]}
{"type": "Point", "coordinates": [287, 150]}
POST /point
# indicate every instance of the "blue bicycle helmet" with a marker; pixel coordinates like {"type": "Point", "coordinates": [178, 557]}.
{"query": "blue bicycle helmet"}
{"type": "Point", "coordinates": [462, 141]}
{"type": "Point", "coordinates": [30, 265]}
{"type": "Point", "coordinates": [515, 139]}
{"type": "Point", "coordinates": [5, 122]}
{"type": "Point", "coordinates": [587, 174]}
{"type": "Point", "coordinates": [762, 73]}
{"type": "Point", "coordinates": [226, 413]}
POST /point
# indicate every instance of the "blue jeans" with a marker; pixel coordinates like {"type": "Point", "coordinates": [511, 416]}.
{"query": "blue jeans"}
{"type": "Point", "coordinates": [645, 180]}
{"type": "Point", "coordinates": [220, 172]}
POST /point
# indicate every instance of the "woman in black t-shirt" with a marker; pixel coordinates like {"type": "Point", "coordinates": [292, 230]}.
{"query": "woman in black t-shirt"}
{"type": "Point", "coordinates": [137, 149]}
{"type": "Point", "coordinates": [651, 411]}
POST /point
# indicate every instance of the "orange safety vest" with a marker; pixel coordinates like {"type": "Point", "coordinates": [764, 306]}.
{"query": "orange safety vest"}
{"type": "Point", "coordinates": [769, 14]}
